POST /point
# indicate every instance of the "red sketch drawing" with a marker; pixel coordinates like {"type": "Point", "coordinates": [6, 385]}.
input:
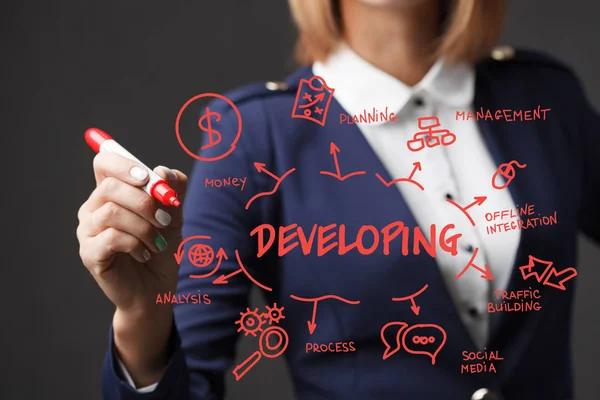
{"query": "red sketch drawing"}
{"type": "Point", "coordinates": [430, 139]}
{"type": "Point", "coordinates": [478, 201]}
{"type": "Point", "coordinates": [413, 306]}
{"type": "Point", "coordinates": [312, 324]}
{"type": "Point", "coordinates": [417, 167]}
{"type": "Point", "coordinates": [430, 340]}
{"type": "Point", "coordinates": [205, 123]}
{"type": "Point", "coordinates": [312, 100]}
{"type": "Point", "coordinates": [487, 272]}
{"type": "Point", "coordinates": [200, 255]}
{"type": "Point", "coordinates": [260, 167]}
{"type": "Point", "coordinates": [552, 276]}
{"type": "Point", "coordinates": [334, 150]}
{"type": "Point", "coordinates": [534, 268]}
{"type": "Point", "coordinates": [507, 171]}
{"type": "Point", "coordinates": [251, 322]}
{"type": "Point", "coordinates": [223, 279]}
{"type": "Point", "coordinates": [558, 283]}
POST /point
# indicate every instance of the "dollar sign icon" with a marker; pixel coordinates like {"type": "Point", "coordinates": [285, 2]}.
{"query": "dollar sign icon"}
{"type": "Point", "coordinates": [208, 128]}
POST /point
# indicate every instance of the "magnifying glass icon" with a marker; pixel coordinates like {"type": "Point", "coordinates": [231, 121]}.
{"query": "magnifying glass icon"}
{"type": "Point", "coordinates": [272, 343]}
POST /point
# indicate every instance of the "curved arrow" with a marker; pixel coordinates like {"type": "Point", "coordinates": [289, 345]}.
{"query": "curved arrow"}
{"type": "Point", "coordinates": [390, 183]}
{"type": "Point", "coordinates": [318, 98]}
{"type": "Point", "coordinates": [334, 150]}
{"type": "Point", "coordinates": [179, 255]}
{"type": "Point", "coordinates": [312, 324]}
{"type": "Point", "coordinates": [279, 180]}
{"type": "Point", "coordinates": [487, 273]}
{"type": "Point", "coordinates": [478, 201]}
{"type": "Point", "coordinates": [415, 309]}
{"type": "Point", "coordinates": [220, 255]}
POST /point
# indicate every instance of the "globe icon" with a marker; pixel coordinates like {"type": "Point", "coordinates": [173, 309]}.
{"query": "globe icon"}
{"type": "Point", "coordinates": [201, 255]}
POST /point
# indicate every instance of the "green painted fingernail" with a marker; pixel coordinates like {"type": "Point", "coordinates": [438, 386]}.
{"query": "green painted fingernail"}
{"type": "Point", "coordinates": [160, 242]}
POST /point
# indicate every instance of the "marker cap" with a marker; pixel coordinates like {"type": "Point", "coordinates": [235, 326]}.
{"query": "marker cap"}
{"type": "Point", "coordinates": [165, 194]}
{"type": "Point", "coordinates": [94, 137]}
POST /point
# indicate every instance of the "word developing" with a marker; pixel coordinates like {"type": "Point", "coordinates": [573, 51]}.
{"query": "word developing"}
{"type": "Point", "coordinates": [326, 243]}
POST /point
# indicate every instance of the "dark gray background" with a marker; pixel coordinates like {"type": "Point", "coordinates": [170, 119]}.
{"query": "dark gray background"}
{"type": "Point", "coordinates": [128, 66]}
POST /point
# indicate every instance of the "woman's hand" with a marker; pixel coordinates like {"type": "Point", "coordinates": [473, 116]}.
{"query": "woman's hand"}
{"type": "Point", "coordinates": [127, 240]}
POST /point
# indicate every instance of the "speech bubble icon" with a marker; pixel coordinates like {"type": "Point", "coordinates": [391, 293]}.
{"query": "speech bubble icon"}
{"type": "Point", "coordinates": [391, 349]}
{"type": "Point", "coordinates": [424, 339]}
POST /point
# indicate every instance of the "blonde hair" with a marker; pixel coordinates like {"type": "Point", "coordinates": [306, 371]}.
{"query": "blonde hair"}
{"type": "Point", "coordinates": [471, 29]}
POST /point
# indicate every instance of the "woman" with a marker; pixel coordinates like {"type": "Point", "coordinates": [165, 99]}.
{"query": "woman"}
{"type": "Point", "coordinates": [459, 240]}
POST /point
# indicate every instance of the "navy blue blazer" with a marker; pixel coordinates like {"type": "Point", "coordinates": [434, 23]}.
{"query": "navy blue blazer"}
{"type": "Point", "coordinates": [562, 174]}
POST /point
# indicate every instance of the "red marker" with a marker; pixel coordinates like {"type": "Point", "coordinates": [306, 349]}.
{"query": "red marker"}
{"type": "Point", "coordinates": [156, 187]}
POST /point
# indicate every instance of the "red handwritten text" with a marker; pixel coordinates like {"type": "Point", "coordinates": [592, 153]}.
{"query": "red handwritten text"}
{"type": "Point", "coordinates": [338, 347]}
{"type": "Point", "coordinates": [518, 301]}
{"type": "Point", "coordinates": [367, 240]}
{"type": "Point", "coordinates": [182, 298]}
{"type": "Point", "coordinates": [367, 117]}
{"type": "Point", "coordinates": [217, 183]}
{"type": "Point", "coordinates": [507, 114]}
{"type": "Point", "coordinates": [480, 361]}
{"type": "Point", "coordinates": [526, 223]}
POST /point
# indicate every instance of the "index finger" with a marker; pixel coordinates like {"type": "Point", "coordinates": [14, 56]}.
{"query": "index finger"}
{"type": "Point", "coordinates": [114, 165]}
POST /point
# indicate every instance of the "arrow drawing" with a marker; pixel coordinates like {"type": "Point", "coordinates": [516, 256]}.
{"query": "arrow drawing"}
{"type": "Point", "coordinates": [415, 309]}
{"type": "Point", "coordinates": [478, 201]}
{"type": "Point", "coordinates": [223, 279]}
{"type": "Point", "coordinates": [179, 254]}
{"type": "Point", "coordinates": [417, 167]}
{"type": "Point", "coordinates": [260, 167]}
{"type": "Point", "coordinates": [527, 271]}
{"type": "Point", "coordinates": [318, 98]}
{"type": "Point", "coordinates": [550, 273]}
{"type": "Point", "coordinates": [334, 150]}
{"type": "Point", "coordinates": [487, 273]}
{"type": "Point", "coordinates": [570, 274]}
{"type": "Point", "coordinates": [312, 324]}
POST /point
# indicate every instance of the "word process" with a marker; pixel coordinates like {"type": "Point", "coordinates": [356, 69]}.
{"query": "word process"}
{"type": "Point", "coordinates": [367, 240]}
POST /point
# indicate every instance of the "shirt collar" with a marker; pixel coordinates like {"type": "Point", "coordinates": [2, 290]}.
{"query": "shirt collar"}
{"type": "Point", "coordinates": [361, 86]}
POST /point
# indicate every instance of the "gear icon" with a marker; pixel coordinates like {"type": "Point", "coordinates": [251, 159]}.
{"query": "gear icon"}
{"type": "Point", "coordinates": [250, 322]}
{"type": "Point", "coordinates": [274, 314]}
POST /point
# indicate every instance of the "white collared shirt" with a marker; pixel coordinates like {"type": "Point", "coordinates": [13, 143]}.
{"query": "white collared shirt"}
{"type": "Point", "coordinates": [460, 171]}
